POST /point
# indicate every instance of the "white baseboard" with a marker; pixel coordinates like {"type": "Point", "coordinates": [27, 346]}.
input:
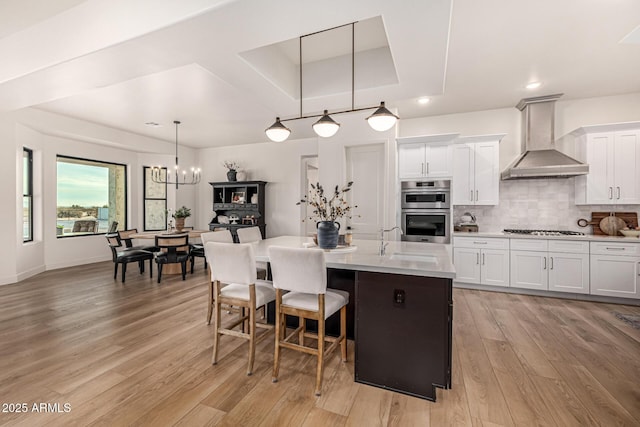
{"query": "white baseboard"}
{"type": "Point", "coordinates": [30, 273]}
{"type": "Point", "coordinates": [77, 262]}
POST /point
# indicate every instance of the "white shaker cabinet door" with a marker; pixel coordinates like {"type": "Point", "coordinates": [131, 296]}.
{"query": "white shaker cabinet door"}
{"type": "Point", "coordinates": [529, 270]}
{"type": "Point", "coordinates": [600, 177]}
{"type": "Point", "coordinates": [569, 272]}
{"type": "Point", "coordinates": [615, 276]}
{"type": "Point", "coordinates": [487, 175]}
{"type": "Point", "coordinates": [494, 269]}
{"type": "Point", "coordinates": [438, 160]}
{"type": "Point", "coordinates": [467, 262]}
{"type": "Point", "coordinates": [627, 168]}
{"type": "Point", "coordinates": [411, 160]}
{"type": "Point", "coordinates": [463, 186]}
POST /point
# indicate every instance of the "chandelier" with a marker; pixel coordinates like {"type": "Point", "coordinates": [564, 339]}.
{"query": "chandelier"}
{"type": "Point", "coordinates": [381, 120]}
{"type": "Point", "coordinates": [191, 179]}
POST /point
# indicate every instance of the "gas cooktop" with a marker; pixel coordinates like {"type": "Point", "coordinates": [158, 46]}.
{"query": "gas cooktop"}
{"type": "Point", "coordinates": [543, 232]}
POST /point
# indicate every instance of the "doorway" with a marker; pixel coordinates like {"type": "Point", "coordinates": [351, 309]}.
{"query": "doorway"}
{"type": "Point", "coordinates": [309, 176]}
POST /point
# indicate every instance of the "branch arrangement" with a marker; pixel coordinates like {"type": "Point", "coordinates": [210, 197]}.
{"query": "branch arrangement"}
{"type": "Point", "coordinates": [325, 208]}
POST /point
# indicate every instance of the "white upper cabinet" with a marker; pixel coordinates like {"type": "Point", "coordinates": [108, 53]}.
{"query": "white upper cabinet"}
{"type": "Point", "coordinates": [613, 155]}
{"type": "Point", "coordinates": [425, 156]}
{"type": "Point", "coordinates": [476, 174]}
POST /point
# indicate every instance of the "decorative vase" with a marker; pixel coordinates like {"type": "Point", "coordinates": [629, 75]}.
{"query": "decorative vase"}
{"type": "Point", "coordinates": [179, 224]}
{"type": "Point", "coordinates": [328, 234]}
{"type": "Point", "coordinates": [231, 175]}
{"type": "Point", "coordinates": [241, 175]}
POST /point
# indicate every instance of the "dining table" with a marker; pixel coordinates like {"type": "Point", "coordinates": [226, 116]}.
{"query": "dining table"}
{"type": "Point", "coordinates": [170, 268]}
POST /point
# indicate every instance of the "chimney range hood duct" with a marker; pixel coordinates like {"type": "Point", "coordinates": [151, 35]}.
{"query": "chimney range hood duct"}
{"type": "Point", "coordinates": [539, 158]}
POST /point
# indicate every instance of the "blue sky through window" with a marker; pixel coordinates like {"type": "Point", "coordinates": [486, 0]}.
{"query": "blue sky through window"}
{"type": "Point", "coordinates": [82, 185]}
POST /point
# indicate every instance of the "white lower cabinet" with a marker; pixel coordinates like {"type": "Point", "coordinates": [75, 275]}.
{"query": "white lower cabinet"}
{"type": "Point", "coordinates": [481, 261]}
{"type": "Point", "coordinates": [554, 265]}
{"type": "Point", "coordinates": [615, 269]}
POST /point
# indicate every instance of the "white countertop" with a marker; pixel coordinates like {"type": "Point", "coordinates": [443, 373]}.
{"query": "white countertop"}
{"type": "Point", "coordinates": [401, 257]}
{"type": "Point", "coordinates": [588, 237]}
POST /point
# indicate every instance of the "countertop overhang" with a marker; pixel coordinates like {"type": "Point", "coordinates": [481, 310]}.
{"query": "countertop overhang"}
{"type": "Point", "coordinates": [437, 261]}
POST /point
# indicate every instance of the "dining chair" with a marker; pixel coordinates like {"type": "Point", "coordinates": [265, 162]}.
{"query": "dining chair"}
{"type": "Point", "coordinates": [252, 235]}
{"type": "Point", "coordinates": [197, 249]}
{"type": "Point", "coordinates": [125, 236]}
{"type": "Point", "coordinates": [303, 273]}
{"type": "Point", "coordinates": [122, 255]}
{"type": "Point", "coordinates": [174, 249]}
{"type": "Point", "coordinates": [235, 265]}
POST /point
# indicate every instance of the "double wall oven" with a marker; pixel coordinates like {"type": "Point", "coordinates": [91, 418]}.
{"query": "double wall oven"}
{"type": "Point", "coordinates": [426, 211]}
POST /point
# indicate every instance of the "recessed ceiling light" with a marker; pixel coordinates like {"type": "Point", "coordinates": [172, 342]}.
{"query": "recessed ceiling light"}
{"type": "Point", "coordinates": [533, 85]}
{"type": "Point", "coordinates": [423, 100]}
{"type": "Point", "coordinates": [153, 124]}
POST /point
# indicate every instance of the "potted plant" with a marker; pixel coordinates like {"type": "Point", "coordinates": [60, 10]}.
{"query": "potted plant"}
{"type": "Point", "coordinates": [59, 230]}
{"type": "Point", "coordinates": [232, 169]}
{"type": "Point", "coordinates": [180, 215]}
{"type": "Point", "coordinates": [326, 211]}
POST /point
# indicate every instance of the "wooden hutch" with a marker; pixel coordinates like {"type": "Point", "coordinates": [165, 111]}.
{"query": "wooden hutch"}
{"type": "Point", "coordinates": [243, 200]}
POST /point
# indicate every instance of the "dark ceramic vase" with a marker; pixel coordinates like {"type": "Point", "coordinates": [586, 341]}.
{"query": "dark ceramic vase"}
{"type": "Point", "coordinates": [231, 175]}
{"type": "Point", "coordinates": [328, 234]}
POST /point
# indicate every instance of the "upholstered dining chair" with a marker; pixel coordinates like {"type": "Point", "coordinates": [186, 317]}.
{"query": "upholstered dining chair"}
{"type": "Point", "coordinates": [303, 273]}
{"type": "Point", "coordinates": [125, 236]}
{"type": "Point", "coordinates": [174, 249]}
{"type": "Point", "coordinates": [197, 249]}
{"type": "Point", "coordinates": [122, 255]}
{"type": "Point", "coordinates": [235, 265]}
{"type": "Point", "coordinates": [252, 235]}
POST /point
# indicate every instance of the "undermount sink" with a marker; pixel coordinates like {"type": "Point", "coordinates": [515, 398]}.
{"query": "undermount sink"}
{"type": "Point", "coordinates": [405, 256]}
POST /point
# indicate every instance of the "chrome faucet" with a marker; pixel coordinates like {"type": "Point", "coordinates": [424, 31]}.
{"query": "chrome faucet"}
{"type": "Point", "coordinates": [383, 245]}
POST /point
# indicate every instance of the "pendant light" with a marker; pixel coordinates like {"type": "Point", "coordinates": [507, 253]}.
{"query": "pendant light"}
{"type": "Point", "coordinates": [278, 132]}
{"type": "Point", "coordinates": [194, 177]}
{"type": "Point", "coordinates": [381, 120]}
{"type": "Point", "coordinates": [326, 127]}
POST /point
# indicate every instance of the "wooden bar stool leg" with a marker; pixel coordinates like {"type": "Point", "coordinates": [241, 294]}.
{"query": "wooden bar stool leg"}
{"type": "Point", "coordinates": [278, 334]}
{"type": "Point", "coordinates": [343, 332]}
{"type": "Point", "coordinates": [320, 367]}
{"type": "Point", "coordinates": [303, 326]}
{"type": "Point", "coordinates": [211, 301]}
{"type": "Point", "coordinates": [216, 323]}
{"type": "Point", "coordinates": [252, 328]}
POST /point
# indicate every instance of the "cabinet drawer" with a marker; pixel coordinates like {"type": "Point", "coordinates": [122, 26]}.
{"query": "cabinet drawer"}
{"type": "Point", "coordinates": [480, 243]}
{"type": "Point", "coordinates": [615, 248]}
{"type": "Point", "coordinates": [569, 246]}
{"type": "Point", "coordinates": [529, 245]}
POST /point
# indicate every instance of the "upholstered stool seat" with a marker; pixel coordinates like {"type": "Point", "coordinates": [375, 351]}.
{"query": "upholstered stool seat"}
{"type": "Point", "coordinates": [264, 292]}
{"type": "Point", "coordinates": [334, 300]}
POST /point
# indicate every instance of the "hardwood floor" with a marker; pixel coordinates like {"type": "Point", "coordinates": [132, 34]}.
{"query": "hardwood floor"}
{"type": "Point", "coordinates": [139, 353]}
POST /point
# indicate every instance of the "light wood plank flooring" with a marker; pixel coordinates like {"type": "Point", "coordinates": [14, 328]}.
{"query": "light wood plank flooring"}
{"type": "Point", "coordinates": [140, 354]}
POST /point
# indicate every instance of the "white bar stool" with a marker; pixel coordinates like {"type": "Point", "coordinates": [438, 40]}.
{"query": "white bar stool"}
{"type": "Point", "coordinates": [235, 264]}
{"type": "Point", "coordinates": [221, 236]}
{"type": "Point", "coordinates": [303, 273]}
{"type": "Point", "coordinates": [252, 235]}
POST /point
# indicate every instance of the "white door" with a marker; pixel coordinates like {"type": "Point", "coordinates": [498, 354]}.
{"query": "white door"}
{"type": "Point", "coordinates": [365, 167]}
{"type": "Point", "coordinates": [627, 167]}
{"type": "Point", "coordinates": [438, 160]}
{"type": "Point", "coordinates": [462, 182]}
{"type": "Point", "coordinates": [467, 263]}
{"type": "Point", "coordinates": [310, 176]}
{"type": "Point", "coordinates": [494, 267]}
{"type": "Point", "coordinates": [569, 272]}
{"type": "Point", "coordinates": [487, 175]}
{"type": "Point", "coordinates": [529, 270]}
{"type": "Point", "coordinates": [600, 176]}
{"type": "Point", "coordinates": [616, 276]}
{"type": "Point", "coordinates": [411, 160]}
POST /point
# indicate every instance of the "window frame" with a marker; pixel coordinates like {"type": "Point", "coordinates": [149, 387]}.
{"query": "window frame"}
{"type": "Point", "coordinates": [126, 192]}
{"type": "Point", "coordinates": [145, 198]}
{"type": "Point", "coordinates": [29, 193]}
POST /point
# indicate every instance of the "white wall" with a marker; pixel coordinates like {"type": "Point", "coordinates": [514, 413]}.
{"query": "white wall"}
{"type": "Point", "coordinates": [276, 163]}
{"type": "Point", "coordinates": [48, 135]}
{"type": "Point", "coordinates": [548, 203]}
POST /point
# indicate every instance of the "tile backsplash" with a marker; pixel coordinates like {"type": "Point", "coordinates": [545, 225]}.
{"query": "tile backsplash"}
{"type": "Point", "coordinates": [537, 203]}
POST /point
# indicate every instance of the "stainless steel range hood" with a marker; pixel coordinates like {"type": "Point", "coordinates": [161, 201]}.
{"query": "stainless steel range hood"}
{"type": "Point", "coordinates": [539, 158]}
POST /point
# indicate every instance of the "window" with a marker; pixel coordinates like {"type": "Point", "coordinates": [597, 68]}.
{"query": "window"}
{"type": "Point", "coordinates": [27, 195]}
{"type": "Point", "coordinates": [155, 201]}
{"type": "Point", "coordinates": [91, 196]}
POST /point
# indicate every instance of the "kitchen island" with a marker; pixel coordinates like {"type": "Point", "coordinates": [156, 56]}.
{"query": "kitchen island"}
{"type": "Point", "coordinates": [400, 310]}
